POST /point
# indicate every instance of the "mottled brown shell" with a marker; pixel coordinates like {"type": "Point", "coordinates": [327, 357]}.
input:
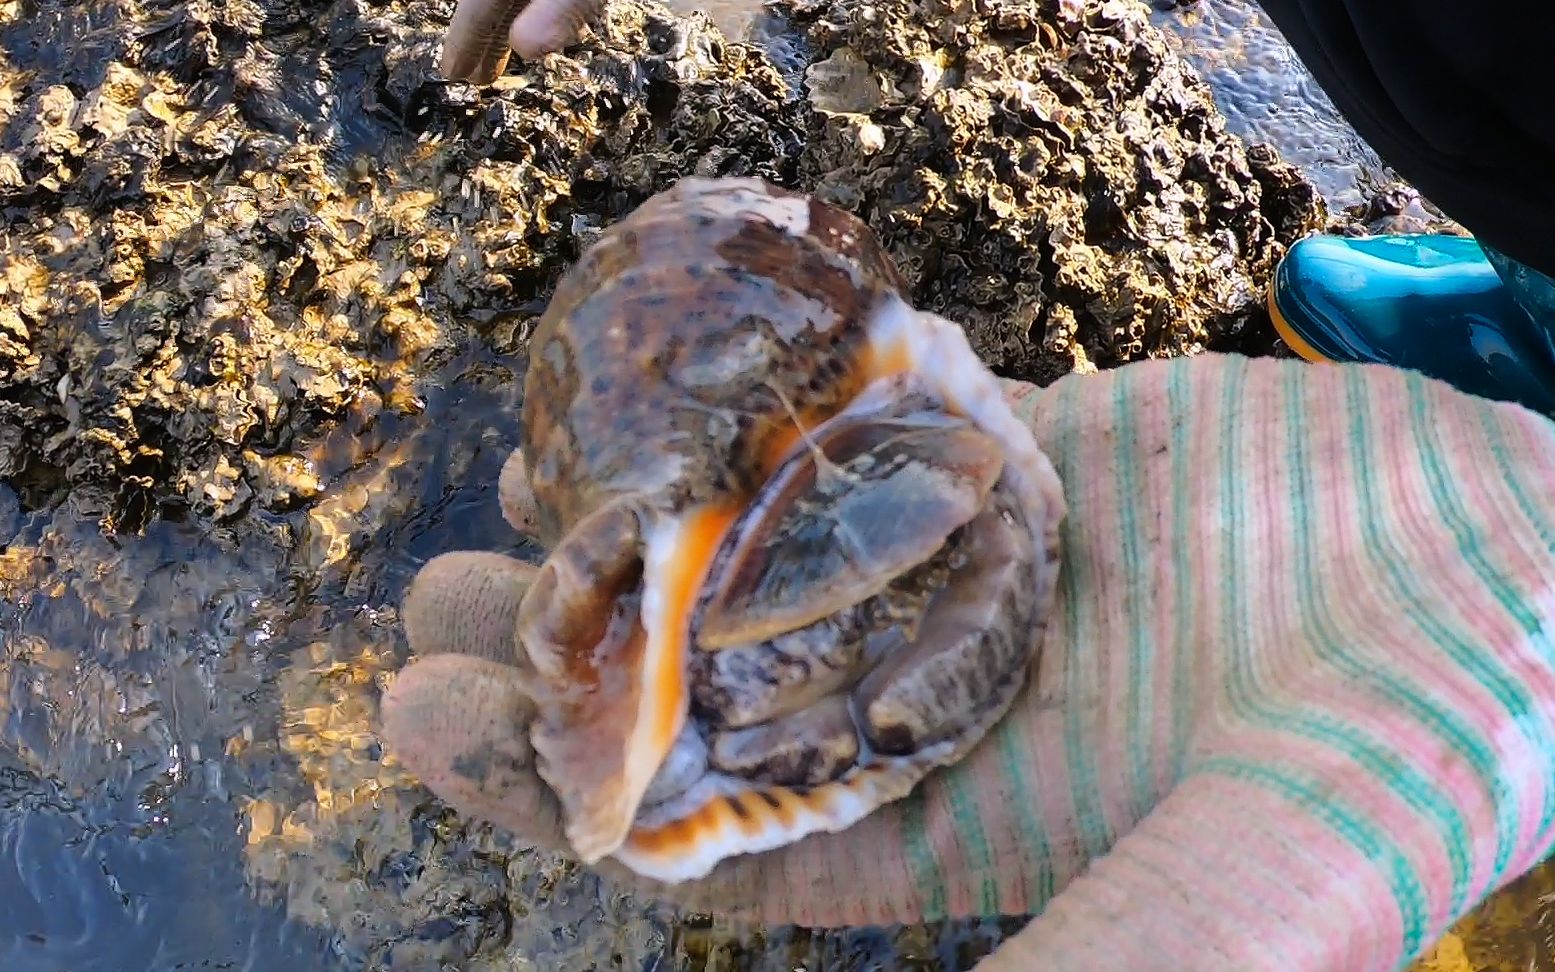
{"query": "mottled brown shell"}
{"type": "Point", "coordinates": [637, 382]}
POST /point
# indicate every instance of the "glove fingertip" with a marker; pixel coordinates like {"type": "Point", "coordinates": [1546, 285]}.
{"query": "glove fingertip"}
{"type": "Point", "coordinates": [460, 725]}
{"type": "Point", "coordinates": [467, 602]}
{"type": "Point", "coordinates": [475, 48]}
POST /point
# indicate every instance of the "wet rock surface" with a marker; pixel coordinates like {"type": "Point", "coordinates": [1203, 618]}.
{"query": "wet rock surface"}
{"type": "Point", "coordinates": [1050, 175]}
{"type": "Point", "coordinates": [265, 285]}
{"type": "Point", "coordinates": [1268, 96]}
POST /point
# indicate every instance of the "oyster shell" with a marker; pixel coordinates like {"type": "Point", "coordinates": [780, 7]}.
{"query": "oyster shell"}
{"type": "Point", "coordinates": [801, 551]}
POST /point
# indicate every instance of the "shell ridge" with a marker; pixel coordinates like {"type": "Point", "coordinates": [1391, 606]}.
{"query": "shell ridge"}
{"type": "Point", "coordinates": [728, 817]}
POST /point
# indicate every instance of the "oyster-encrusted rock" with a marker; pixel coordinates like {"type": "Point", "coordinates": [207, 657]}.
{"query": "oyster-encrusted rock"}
{"type": "Point", "coordinates": [249, 233]}
{"type": "Point", "coordinates": [230, 231]}
{"type": "Point", "coordinates": [1050, 174]}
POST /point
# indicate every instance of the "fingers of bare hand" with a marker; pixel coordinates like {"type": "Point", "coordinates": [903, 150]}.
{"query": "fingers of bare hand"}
{"type": "Point", "coordinates": [475, 49]}
{"type": "Point", "coordinates": [545, 26]}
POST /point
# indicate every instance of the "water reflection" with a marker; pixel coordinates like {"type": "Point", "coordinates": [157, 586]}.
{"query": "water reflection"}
{"type": "Point", "coordinates": [121, 671]}
{"type": "Point", "coordinates": [1268, 96]}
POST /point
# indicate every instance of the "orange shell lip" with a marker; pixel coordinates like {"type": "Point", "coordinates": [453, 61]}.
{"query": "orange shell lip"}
{"type": "Point", "coordinates": [681, 574]}
{"type": "Point", "coordinates": [618, 691]}
{"type": "Point", "coordinates": [749, 813]}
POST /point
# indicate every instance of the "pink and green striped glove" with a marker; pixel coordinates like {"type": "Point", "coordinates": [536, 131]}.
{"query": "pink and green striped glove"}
{"type": "Point", "coordinates": [1295, 712]}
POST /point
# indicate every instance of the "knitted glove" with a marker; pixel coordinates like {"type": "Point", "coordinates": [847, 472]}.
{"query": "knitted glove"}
{"type": "Point", "coordinates": [1295, 711]}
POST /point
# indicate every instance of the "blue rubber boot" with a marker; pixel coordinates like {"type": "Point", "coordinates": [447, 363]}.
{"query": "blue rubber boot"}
{"type": "Point", "coordinates": [1441, 305]}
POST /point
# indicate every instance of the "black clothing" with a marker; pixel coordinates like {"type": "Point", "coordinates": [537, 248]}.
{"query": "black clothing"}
{"type": "Point", "coordinates": [1455, 95]}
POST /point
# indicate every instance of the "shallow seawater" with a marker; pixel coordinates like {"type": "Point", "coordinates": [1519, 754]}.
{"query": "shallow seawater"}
{"type": "Point", "coordinates": [1267, 95]}
{"type": "Point", "coordinates": [144, 686]}
{"type": "Point", "coordinates": [188, 774]}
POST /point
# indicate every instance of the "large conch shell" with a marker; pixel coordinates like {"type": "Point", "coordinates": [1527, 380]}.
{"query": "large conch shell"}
{"type": "Point", "coordinates": [801, 550]}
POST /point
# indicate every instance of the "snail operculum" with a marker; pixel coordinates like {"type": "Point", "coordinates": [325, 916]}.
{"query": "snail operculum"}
{"type": "Point", "coordinates": [876, 611]}
{"type": "Point", "coordinates": [865, 498]}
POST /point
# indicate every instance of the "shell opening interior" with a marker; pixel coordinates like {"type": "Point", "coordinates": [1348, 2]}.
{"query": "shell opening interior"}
{"type": "Point", "coordinates": [700, 816]}
{"type": "Point", "coordinates": [604, 626]}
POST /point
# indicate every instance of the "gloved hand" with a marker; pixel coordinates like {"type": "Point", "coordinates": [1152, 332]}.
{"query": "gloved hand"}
{"type": "Point", "coordinates": [483, 33]}
{"type": "Point", "coordinates": [1295, 711]}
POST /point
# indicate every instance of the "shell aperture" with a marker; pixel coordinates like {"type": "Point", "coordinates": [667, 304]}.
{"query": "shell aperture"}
{"type": "Point", "coordinates": [865, 498]}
